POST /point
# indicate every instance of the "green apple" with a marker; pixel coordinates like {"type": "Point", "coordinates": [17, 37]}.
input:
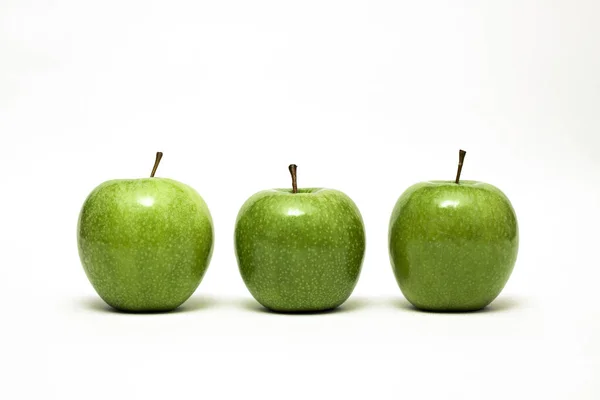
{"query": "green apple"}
{"type": "Point", "coordinates": [453, 244]}
{"type": "Point", "coordinates": [145, 244]}
{"type": "Point", "coordinates": [300, 250]}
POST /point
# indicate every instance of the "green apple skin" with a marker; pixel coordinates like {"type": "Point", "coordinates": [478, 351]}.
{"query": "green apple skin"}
{"type": "Point", "coordinates": [145, 244]}
{"type": "Point", "coordinates": [300, 252]}
{"type": "Point", "coordinates": [453, 246]}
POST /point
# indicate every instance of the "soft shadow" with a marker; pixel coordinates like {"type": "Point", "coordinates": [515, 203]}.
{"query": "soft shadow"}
{"type": "Point", "coordinates": [349, 305]}
{"type": "Point", "coordinates": [499, 305]}
{"type": "Point", "coordinates": [192, 304]}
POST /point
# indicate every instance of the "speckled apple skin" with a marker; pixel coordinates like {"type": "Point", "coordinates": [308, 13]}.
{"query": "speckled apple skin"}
{"type": "Point", "coordinates": [145, 244]}
{"type": "Point", "coordinates": [300, 252]}
{"type": "Point", "coordinates": [453, 247]}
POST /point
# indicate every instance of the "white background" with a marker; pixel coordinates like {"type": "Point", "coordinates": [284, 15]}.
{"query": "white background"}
{"type": "Point", "coordinates": [367, 97]}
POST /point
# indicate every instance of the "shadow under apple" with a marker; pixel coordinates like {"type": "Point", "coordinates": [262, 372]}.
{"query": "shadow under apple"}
{"type": "Point", "coordinates": [499, 305]}
{"type": "Point", "coordinates": [349, 305]}
{"type": "Point", "coordinates": [192, 304]}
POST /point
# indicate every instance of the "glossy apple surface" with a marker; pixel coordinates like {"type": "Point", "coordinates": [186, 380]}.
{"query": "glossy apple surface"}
{"type": "Point", "coordinates": [300, 252]}
{"type": "Point", "coordinates": [145, 244]}
{"type": "Point", "coordinates": [453, 246]}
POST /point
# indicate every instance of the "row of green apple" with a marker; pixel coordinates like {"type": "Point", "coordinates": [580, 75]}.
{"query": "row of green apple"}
{"type": "Point", "coordinates": [145, 244]}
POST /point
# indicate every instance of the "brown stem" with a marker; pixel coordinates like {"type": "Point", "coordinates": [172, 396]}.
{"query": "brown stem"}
{"type": "Point", "coordinates": [461, 158]}
{"type": "Point", "coordinates": [293, 168]}
{"type": "Point", "coordinates": [159, 155]}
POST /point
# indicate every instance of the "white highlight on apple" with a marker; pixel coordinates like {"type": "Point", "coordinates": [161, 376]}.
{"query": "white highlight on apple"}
{"type": "Point", "coordinates": [295, 211]}
{"type": "Point", "coordinates": [449, 203]}
{"type": "Point", "coordinates": [146, 201]}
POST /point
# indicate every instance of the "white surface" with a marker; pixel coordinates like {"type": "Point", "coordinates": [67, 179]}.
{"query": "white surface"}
{"type": "Point", "coordinates": [365, 96]}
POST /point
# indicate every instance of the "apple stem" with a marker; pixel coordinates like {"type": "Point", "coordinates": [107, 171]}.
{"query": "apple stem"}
{"type": "Point", "coordinates": [159, 155]}
{"type": "Point", "coordinates": [293, 168]}
{"type": "Point", "coordinates": [461, 159]}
